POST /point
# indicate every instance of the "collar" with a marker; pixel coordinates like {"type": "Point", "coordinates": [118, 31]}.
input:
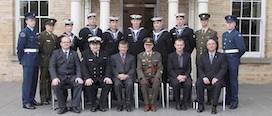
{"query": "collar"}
{"type": "Point", "coordinates": [176, 27]}
{"type": "Point", "coordinates": [212, 53]}
{"type": "Point", "coordinates": [181, 53]}
{"type": "Point", "coordinates": [32, 29]}
{"type": "Point", "coordinates": [66, 50]}
{"type": "Point", "coordinates": [122, 54]}
{"type": "Point", "coordinates": [67, 34]}
{"type": "Point", "coordinates": [141, 28]}
{"type": "Point", "coordinates": [230, 30]}
{"type": "Point", "coordinates": [96, 27]}
{"type": "Point", "coordinates": [117, 31]}
{"type": "Point", "coordinates": [161, 31]}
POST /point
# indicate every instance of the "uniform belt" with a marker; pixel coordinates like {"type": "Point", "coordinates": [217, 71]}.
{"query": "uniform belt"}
{"type": "Point", "coordinates": [31, 50]}
{"type": "Point", "coordinates": [231, 51]}
{"type": "Point", "coordinates": [150, 70]}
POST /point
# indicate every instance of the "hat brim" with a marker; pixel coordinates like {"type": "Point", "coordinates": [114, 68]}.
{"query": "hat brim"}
{"type": "Point", "coordinates": [230, 21]}
{"type": "Point", "coordinates": [31, 18]}
{"type": "Point", "coordinates": [95, 42]}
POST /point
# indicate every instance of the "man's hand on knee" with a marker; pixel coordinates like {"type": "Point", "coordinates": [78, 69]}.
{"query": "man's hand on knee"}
{"type": "Point", "coordinates": [79, 80]}
{"type": "Point", "coordinates": [89, 82]}
{"type": "Point", "coordinates": [55, 81]}
{"type": "Point", "coordinates": [107, 80]}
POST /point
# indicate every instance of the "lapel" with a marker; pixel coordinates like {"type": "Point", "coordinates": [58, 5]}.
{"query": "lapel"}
{"type": "Point", "coordinates": [214, 59]}
{"type": "Point", "coordinates": [62, 55]}
{"type": "Point", "coordinates": [177, 61]}
{"type": "Point", "coordinates": [119, 58]}
{"type": "Point", "coordinates": [70, 55]}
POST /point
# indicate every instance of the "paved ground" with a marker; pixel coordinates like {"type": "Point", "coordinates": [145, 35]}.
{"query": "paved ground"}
{"type": "Point", "coordinates": [255, 100]}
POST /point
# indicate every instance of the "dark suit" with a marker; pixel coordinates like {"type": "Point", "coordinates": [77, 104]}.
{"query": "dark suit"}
{"type": "Point", "coordinates": [216, 69]}
{"type": "Point", "coordinates": [174, 69]}
{"type": "Point", "coordinates": [118, 67]}
{"type": "Point", "coordinates": [66, 70]}
{"type": "Point", "coordinates": [30, 61]}
{"type": "Point", "coordinates": [188, 36]}
{"type": "Point", "coordinates": [96, 68]}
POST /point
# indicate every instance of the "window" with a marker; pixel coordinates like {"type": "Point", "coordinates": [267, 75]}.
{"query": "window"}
{"type": "Point", "coordinates": [40, 7]}
{"type": "Point", "coordinates": [251, 23]}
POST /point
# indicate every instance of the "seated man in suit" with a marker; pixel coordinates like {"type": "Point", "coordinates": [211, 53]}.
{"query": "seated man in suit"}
{"type": "Point", "coordinates": [95, 68]}
{"type": "Point", "coordinates": [123, 69]}
{"type": "Point", "coordinates": [211, 70]}
{"type": "Point", "coordinates": [64, 68]}
{"type": "Point", "coordinates": [179, 69]}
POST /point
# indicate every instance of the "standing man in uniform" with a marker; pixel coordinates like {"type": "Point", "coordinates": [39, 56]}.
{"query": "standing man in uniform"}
{"type": "Point", "coordinates": [211, 71]}
{"type": "Point", "coordinates": [179, 68]}
{"type": "Point", "coordinates": [123, 67]}
{"type": "Point", "coordinates": [64, 69]}
{"type": "Point", "coordinates": [184, 32]}
{"type": "Point", "coordinates": [135, 34]}
{"type": "Point", "coordinates": [75, 41]}
{"type": "Point", "coordinates": [112, 37]}
{"type": "Point", "coordinates": [202, 36]}
{"type": "Point", "coordinates": [149, 70]}
{"type": "Point", "coordinates": [47, 44]}
{"type": "Point", "coordinates": [233, 47]}
{"type": "Point", "coordinates": [95, 68]}
{"type": "Point", "coordinates": [27, 52]}
{"type": "Point", "coordinates": [90, 30]}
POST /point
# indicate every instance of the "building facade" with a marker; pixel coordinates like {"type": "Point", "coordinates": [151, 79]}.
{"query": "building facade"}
{"type": "Point", "coordinates": [254, 23]}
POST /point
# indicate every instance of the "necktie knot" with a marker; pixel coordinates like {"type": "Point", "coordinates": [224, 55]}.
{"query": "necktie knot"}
{"type": "Point", "coordinates": [66, 54]}
{"type": "Point", "coordinates": [211, 58]}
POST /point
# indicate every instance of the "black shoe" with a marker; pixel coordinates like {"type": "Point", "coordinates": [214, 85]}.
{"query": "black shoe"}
{"type": "Point", "coordinates": [120, 108]}
{"type": "Point", "coordinates": [178, 106]}
{"type": "Point", "coordinates": [45, 103]}
{"type": "Point", "coordinates": [62, 110]}
{"type": "Point", "coordinates": [128, 108]}
{"type": "Point", "coordinates": [93, 109]}
{"type": "Point", "coordinates": [208, 103]}
{"type": "Point", "coordinates": [29, 106]}
{"type": "Point", "coordinates": [233, 106]}
{"type": "Point", "coordinates": [183, 106]}
{"type": "Point", "coordinates": [200, 108]}
{"type": "Point", "coordinates": [101, 108]}
{"type": "Point", "coordinates": [35, 103]}
{"type": "Point", "coordinates": [214, 111]}
{"type": "Point", "coordinates": [74, 109]}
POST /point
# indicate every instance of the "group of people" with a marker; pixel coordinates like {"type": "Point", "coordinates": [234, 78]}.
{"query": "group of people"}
{"type": "Point", "coordinates": [113, 60]}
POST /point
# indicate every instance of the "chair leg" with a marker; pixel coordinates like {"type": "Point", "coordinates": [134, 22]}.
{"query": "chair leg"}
{"type": "Point", "coordinates": [167, 95]}
{"type": "Point", "coordinates": [109, 99]}
{"type": "Point", "coordinates": [224, 98]}
{"type": "Point", "coordinates": [53, 99]}
{"type": "Point", "coordinates": [82, 100]}
{"type": "Point", "coordinates": [162, 89]}
{"type": "Point", "coordinates": [136, 96]}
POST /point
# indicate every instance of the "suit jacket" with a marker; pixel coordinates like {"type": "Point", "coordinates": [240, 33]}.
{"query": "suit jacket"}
{"type": "Point", "coordinates": [173, 67]}
{"type": "Point", "coordinates": [217, 69]}
{"type": "Point", "coordinates": [62, 68]}
{"type": "Point", "coordinates": [117, 67]}
{"type": "Point", "coordinates": [188, 36]}
{"type": "Point", "coordinates": [96, 68]}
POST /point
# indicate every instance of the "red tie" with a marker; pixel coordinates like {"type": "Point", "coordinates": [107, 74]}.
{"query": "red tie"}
{"type": "Point", "coordinates": [123, 58]}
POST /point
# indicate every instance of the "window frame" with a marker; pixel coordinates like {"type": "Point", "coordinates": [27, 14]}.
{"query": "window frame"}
{"type": "Point", "coordinates": [262, 19]}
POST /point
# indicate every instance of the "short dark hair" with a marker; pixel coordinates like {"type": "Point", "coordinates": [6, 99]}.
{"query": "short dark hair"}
{"type": "Point", "coordinates": [123, 42]}
{"type": "Point", "coordinates": [62, 36]}
{"type": "Point", "coordinates": [180, 39]}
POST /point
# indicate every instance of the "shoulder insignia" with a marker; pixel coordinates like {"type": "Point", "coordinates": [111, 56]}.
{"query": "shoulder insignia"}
{"type": "Point", "coordinates": [22, 34]}
{"type": "Point", "coordinates": [80, 38]}
{"type": "Point", "coordinates": [240, 35]}
{"type": "Point", "coordinates": [194, 36]}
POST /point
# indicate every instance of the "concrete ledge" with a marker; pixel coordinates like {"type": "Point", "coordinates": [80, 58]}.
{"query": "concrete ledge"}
{"type": "Point", "coordinates": [13, 58]}
{"type": "Point", "coordinates": [256, 60]}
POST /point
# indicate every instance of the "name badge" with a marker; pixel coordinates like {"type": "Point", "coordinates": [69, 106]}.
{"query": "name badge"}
{"type": "Point", "coordinates": [174, 34]}
{"type": "Point", "coordinates": [129, 35]}
{"type": "Point", "coordinates": [90, 35]}
{"type": "Point", "coordinates": [105, 58]}
{"type": "Point", "coordinates": [48, 40]}
{"type": "Point", "coordinates": [90, 60]}
{"type": "Point", "coordinates": [31, 37]}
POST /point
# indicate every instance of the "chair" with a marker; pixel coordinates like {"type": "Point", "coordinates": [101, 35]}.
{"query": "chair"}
{"type": "Point", "coordinates": [223, 97]}
{"type": "Point", "coordinates": [168, 88]}
{"type": "Point", "coordinates": [65, 87]}
{"type": "Point", "coordinates": [136, 95]}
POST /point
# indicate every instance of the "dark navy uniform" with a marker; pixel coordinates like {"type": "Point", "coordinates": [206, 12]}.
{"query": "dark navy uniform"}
{"type": "Point", "coordinates": [233, 47]}
{"type": "Point", "coordinates": [111, 41]}
{"type": "Point", "coordinates": [75, 41]}
{"type": "Point", "coordinates": [187, 34]}
{"type": "Point", "coordinates": [135, 40]}
{"type": "Point", "coordinates": [97, 67]}
{"type": "Point", "coordinates": [86, 33]}
{"type": "Point", "coordinates": [27, 51]}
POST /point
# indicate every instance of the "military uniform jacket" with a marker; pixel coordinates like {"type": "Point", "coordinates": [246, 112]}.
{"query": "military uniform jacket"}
{"type": "Point", "coordinates": [163, 44]}
{"type": "Point", "coordinates": [27, 40]}
{"type": "Point", "coordinates": [135, 47]}
{"type": "Point", "coordinates": [201, 41]}
{"type": "Point", "coordinates": [173, 66]}
{"type": "Point", "coordinates": [76, 42]}
{"type": "Point", "coordinates": [149, 66]}
{"type": "Point", "coordinates": [62, 68]}
{"type": "Point", "coordinates": [47, 44]}
{"type": "Point", "coordinates": [96, 68]}
{"type": "Point", "coordinates": [234, 40]}
{"type": "Point", "coordinates": [110, 42]}
{"type": "Point", "coordinates": [85, 33]}
{"type": "Point", "coordinates": [217, 68]}
{"type": "Point", "coordinates": [188, 35]}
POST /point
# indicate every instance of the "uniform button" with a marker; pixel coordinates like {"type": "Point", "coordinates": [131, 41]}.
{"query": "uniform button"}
{"type": "Point", "coordinates": [224, 43]}
{"type": "Point", "coordinates": [200, 47]}
{"type": "Point", "coordinates": [225, 38]}
{"type": "Point", "coordinates": [224, 47]}
{"type": "Point", "coordinates": [94, 75]}
{"type": "Point", "coordinates": [100, 67]}
{"type": "Point", "coordinates": [202, 42]}
{"type": "Point", "coordinates": [94, 72]}
{"type": "Point", "coordinates": [149, 73]}
{"type": "Point", "coordinates": [200, 52]}
{"type": "Point", "coordinates": [94, 68]}
{"type": "Point", "coordinates": [202, 37]}
{"type": "Point", "coordinates": [101, 72]}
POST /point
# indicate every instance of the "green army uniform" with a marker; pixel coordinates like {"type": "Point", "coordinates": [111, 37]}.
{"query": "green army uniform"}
{"type": "Point", "coordinates": [202, 36]}
{"type": "Point", "coordinates": [149, 67]}
{"type": "Point", "coordinates": [47, 44]}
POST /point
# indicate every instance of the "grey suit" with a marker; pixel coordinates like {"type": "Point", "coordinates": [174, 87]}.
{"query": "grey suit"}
{"type": "Point", "coordinates": [119, 67]}
{"type": "Point", "coordinates": [216, 69]}
{"type": "Point", "coordinates": [67, 70]}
